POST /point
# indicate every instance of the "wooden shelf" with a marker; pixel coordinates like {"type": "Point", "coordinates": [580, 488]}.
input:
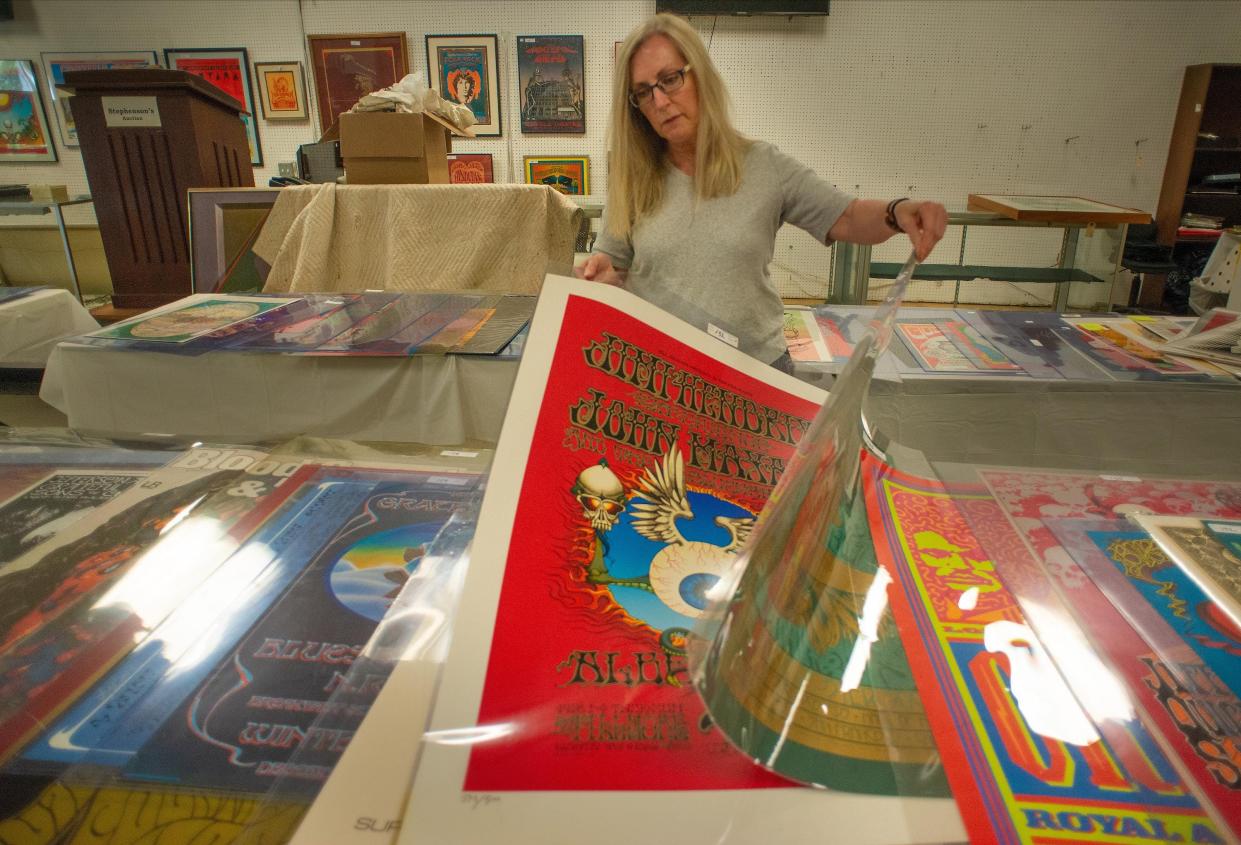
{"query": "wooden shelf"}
{"type": "Point", "coordinates": [967, 272]}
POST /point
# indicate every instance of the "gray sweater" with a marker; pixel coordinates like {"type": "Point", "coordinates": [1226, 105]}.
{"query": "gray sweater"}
{"type": "Point", "coordinates": [706, 260]}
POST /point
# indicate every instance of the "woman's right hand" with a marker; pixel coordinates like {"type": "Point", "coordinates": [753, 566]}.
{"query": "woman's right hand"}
{"type": "Point", "coordinates": [598, 268]}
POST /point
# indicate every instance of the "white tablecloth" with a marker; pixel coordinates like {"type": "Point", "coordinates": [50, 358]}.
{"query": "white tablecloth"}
{"type": "Point", "coordinates": [31, 326]}
{"type": "Point", "coordinates": [434, 399]}
{"type": "Point", "coordinates": [1154, 426]}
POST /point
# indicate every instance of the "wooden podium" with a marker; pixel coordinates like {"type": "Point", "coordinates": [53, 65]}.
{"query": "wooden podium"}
{"type": "Point", "coordinates": [148, 135]}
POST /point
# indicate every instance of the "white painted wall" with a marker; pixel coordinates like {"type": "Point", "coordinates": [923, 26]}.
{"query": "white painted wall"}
{"type": "Point", "coordinates": [935, 98]}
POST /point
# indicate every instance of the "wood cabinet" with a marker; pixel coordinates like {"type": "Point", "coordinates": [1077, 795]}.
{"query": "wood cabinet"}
{"type": "Point", "coordinates": [1206, 142]}
{"type": "Point", "coordinates": [147, 137]}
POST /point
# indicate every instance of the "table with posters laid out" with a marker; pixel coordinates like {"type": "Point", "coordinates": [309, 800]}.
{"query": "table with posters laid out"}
{"type": "Point", "coordinates": [369, 387]}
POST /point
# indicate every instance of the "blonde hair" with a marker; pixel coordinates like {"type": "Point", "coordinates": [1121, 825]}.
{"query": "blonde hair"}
{"type": "Point", "coordinates": [636, 177]}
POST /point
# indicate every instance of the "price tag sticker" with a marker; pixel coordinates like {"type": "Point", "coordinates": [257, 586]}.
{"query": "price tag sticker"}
{"type": "Point", "coordinates": [719, 334]}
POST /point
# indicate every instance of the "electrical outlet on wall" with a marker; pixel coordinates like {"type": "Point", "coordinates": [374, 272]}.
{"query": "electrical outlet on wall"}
{"type": "Point", "coordinates": [288, 168]}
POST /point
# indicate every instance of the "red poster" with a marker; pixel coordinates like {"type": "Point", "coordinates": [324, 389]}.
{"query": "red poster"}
{"type": "Point", "coordinates": [470, 168]}
{"type": "Point", "coordinates": [648, 466]}
{"type": "Point", "coordinates": [225, 74]}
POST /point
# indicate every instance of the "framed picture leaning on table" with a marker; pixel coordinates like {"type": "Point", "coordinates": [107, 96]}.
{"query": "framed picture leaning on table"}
{"type": "Point", "coordinates": [227, 68]}
{"type": "Point", "coordinates": [282, 90]}
{"type": "Point", "coordinates": [464, 69]}
{"type": "Point", "coordinates": [348, 67]}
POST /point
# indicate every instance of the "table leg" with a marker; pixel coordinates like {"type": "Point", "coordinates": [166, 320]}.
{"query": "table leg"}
{"type": "Point", "coordinates": [850, 274]}
{"type": "Point", "coordinates": [1068, 258]}
{"type": "Point", "coordinates": [64, 242]}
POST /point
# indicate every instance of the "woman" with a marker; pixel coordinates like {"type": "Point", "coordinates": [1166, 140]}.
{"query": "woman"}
{"type": "Point", "coordinates": [694, 206]}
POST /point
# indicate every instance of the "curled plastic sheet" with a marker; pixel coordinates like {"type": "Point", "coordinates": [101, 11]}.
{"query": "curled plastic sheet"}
{"type": "Point", "coordinates": [799, 662]}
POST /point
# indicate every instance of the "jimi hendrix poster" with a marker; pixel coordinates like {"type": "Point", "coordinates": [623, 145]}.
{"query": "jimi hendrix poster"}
{"type": "Point", "coordinates": [635, 459]}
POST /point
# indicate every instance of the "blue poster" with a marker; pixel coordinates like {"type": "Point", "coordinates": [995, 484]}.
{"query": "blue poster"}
{"type": "Point", "coordinates": [257, 708]}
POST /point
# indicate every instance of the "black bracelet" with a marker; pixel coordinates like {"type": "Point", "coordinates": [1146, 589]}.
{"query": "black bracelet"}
{"type": "Point", "coordinates": [889, 216]}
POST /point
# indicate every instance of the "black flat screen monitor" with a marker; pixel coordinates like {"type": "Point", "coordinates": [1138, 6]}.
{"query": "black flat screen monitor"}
{"type": "Point", "coordinates": [744, 7]}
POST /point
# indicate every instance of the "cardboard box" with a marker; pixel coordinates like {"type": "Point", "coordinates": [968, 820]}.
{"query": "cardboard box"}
{"type": "Point", "coordinates": [394, 148]}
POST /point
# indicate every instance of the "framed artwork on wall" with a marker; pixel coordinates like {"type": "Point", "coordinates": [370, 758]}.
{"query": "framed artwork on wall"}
{"type": "Point", "coordinates": [348, 67]}
{"type": "Point", "coordinates": [282, 90]}
{"type": "Point", "coordinates": [24, 132]}
{"type": "Point", "coordinates": [464, 69]}
{"type": "Point", "coordinates": [227, 68]}
{"type": "Point", "coordinates": [567, 174]}
{"type": "Point", "coordinates": [553, 86]}
{"type": "Point", "coordinates": [470, 169]}
{"type": "Point", "coordinates": [55, 65]}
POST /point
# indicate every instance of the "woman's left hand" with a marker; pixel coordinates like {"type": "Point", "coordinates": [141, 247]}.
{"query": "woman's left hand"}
{"type": "Point", "coordinates": [924, 222]}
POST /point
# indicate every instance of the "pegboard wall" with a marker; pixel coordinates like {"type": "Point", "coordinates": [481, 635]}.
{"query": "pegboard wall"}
{"type": "Point", "coordinates": [925, 98]}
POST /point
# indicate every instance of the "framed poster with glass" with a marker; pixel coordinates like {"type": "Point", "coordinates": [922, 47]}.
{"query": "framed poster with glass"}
{"type": "Point", "coordinates": [463, 69]}
{"type": "Point", "coordinates": [24, 134]}
{"type": "Point", "coordinates": [553, 87]}
{"type": "Point", "coordinates": [55, 65]}
{"type": "Point", "coordinates": [348, 67]}
{"type": "Point", "coordinates": [470, 169]}
{"type": "Point", "coordinates": [567, 174]}
{"type": "Point", "coordinates": [1055, 209]}
{"type": "Point", "coordinates": [227, 68]}
{"type": "Point", "coordinates": [282, 90]}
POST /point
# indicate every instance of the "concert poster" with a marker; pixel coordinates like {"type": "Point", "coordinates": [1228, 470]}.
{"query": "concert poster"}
{"type": "Point", "coordinates": [470, 169]}
{"type": "Point", "coordinates": [932, 348]}
{"type": "Point", "coordinates": [189, 321]}
{"type": "Point", "coordinates": [1125, 358]}
{"type": "Point", "coordinates": [1033, 341]}
{"type": "Point", "coordinates": [71, 812]}
{"type": "Point", "coordinates": [842, 327]}
{"type": "Point", "coordinates": [803, 336]}
{"type": "Point", "coordinates": [978, 349]}
{"type": "Point", "coordinates": [348, 67]}
{"type": "Point", "coordinates": [463, 69]}
{"type": "Point", "coordinates": [112, 720]}
{"type": "Point", "coordinates": [552, 85]}
{"type": "Point", "coordinates": [52, 504]}
{"type": "Point", "coordinates": [630, 468]}
{"type": "Point", "coordinates": [88, 578]}
{"type": "Point", "coordinates": [229, 70]}
{"type": "Point", "coordinates": [1160, 634]}
{"type": "Point", "coordinates": [258, 706]}
{"type": "Point", "coordinates": [1126, 336]}
{"type": "Point", "coordinates": [1026, 762]}
{"type": "Point", "coordinates": [24, 132]}
{"type": "Point", "coordinates": [1208, 554]}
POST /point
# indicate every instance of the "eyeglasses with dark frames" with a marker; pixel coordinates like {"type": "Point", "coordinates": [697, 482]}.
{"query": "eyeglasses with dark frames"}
{"type": "Point", "coordinates": [668, 83]}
